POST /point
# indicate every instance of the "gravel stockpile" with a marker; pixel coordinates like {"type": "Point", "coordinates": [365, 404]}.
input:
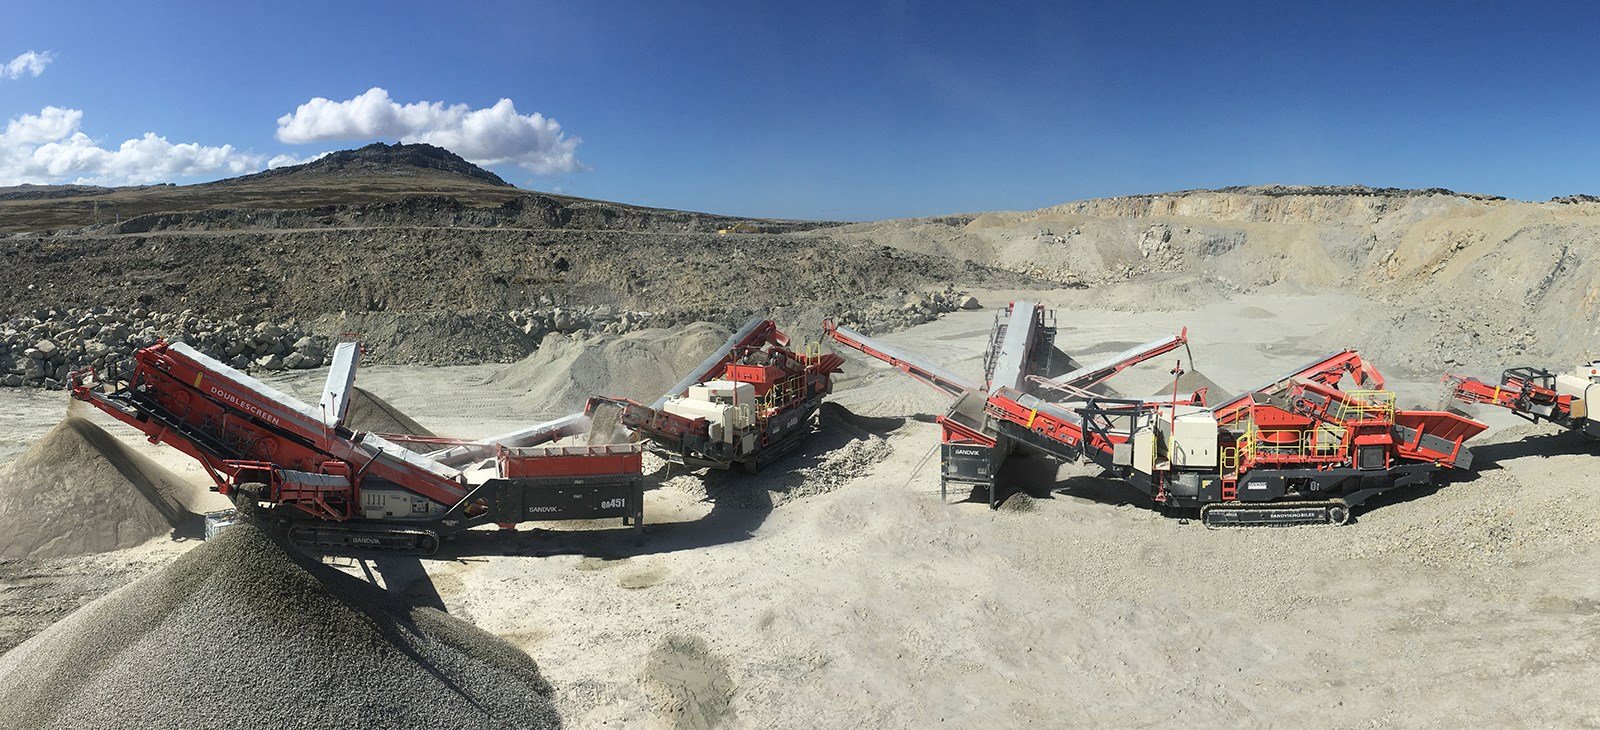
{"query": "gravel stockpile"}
{"type": "Point", "coordinates": [567, 370]}
{"type": "Point", "coordinates": [368, 412]}
{"type": "Point", "coordinates": [1193, 380]}
{"type": "Point", "coordinates": [242, 633]}
{"type": "Point", "coordinates": [79, 490]}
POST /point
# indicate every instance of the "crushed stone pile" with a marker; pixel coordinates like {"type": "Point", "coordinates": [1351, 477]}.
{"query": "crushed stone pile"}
{"type": "Point", "coordinates": [1019, 502]}
{"type": "Point", "coordinates": [243, 633]}
{"type": "Point", "coordinates": [565, 370]}
{"type": "Point", "coordinates": [79, 490]}
{"type": "Point", "coordinates": [369, 412]}
{"type": "Point", "coordinates": [1193, 380]}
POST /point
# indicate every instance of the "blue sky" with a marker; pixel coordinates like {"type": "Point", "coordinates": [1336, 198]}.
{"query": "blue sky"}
{"type": "Point", "coordinates": [841, 110]}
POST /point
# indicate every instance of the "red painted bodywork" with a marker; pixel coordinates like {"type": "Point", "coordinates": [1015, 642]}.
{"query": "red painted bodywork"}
{"type": "Point", "coordinates": [570, 461]}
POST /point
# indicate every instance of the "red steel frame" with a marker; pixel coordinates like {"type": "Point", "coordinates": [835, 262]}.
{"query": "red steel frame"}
{"type": "Point", "coordinates": [260, 432]}
{"type": "Point", "coordinates": [1510, 394]}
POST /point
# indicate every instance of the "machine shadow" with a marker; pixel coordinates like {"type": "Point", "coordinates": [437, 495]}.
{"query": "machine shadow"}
{"type": "Point", "coordinates": [740, 504]}
{"type": "Point", "coordinates": [1485, 458]}
{"type": "Point", "coordinates": [1037, 476]}
{"type": "Point", "coordinates": [404, 576]}
{"type": "Point", "coordinates": [1543, 444]}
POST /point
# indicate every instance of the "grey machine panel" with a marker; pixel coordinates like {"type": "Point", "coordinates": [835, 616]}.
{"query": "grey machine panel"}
{"type": "Point", "coordinates": [1010, 370]}
{"type": "Point", "coordinates": [341, 379]}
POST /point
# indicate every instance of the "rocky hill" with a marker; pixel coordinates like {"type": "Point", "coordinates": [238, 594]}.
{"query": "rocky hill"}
{"type": "Point", "coordinates": [46, 192]}
{"type": "Point", "coordinates": [377, 159]}
{"type": "Point", "coordinates": [377, 185]}
{"type": "Point", "coordinates": [476, 270]}
{"type": "Point", "coordinates": [426, 257]}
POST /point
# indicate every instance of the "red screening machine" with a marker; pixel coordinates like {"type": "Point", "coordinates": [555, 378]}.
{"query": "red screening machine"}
{"type": "Point", "coordinates": [334, 488]}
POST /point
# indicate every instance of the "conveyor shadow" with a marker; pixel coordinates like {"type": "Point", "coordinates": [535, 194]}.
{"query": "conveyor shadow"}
{"type": "Point", "coordinates": [404, 576]}
{"type": "Point", "coordinates": [1542, 444]}
{"type": "Point", "coordinates": [1103, 490]}
{"type": "Point", "coordinates": [740, 504]}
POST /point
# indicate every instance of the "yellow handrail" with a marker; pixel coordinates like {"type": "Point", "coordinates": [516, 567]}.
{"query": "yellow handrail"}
{"type": "Point", "coordinates": [1367, 405]}
{"type": "Point", "coordinates": [1228, 460]}
{"type": "Point", "coordinates": [1317, 441]}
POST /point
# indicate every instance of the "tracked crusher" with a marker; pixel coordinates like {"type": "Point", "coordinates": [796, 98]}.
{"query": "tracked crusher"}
{"type": "Point", "coordinates": [746, 405]}
{"type": "Point", "coordinates": [1301, 449]}
{"type": "Point", "coordinates": [336, 489]}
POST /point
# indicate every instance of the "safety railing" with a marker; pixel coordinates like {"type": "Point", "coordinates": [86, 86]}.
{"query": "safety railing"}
{"type": "Point", "coordinates": [1289, 444]}
{"type": "Point", "coordinates": [783, 393]}
{"type": "Point", "coordinates": [1366, 405]}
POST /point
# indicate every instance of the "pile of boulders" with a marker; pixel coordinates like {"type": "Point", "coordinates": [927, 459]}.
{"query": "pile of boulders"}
{"type": "Point", "coordinates": [42, 348]}
{"type": "Point", "coordinates": [606, 319]}
{"type": "Point", "coordinates": [910, 309]}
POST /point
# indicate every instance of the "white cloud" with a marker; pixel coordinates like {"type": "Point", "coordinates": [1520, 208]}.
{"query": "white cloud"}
{"type": "Point", "coordinates": [494, 135]}
{"type": "Point", "coordinates": [31, 63]}
{"type": "Point", "coordinates": [286, 159]}
{"type": "Point", "coordinates": [49, 147]}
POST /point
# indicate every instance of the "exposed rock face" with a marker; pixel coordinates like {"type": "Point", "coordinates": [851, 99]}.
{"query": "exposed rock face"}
{"type": "Point", "coordinates": [1435, 278]}
{"type": "Point", "coordinates": [912, 308]}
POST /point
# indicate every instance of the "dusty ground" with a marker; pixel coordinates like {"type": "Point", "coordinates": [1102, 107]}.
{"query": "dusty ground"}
{"type": "Point", "coordinates": [871, 604]}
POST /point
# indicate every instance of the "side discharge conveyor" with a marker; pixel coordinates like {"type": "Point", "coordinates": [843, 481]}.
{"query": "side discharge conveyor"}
{"type": "Point", "coordinates": [972, 449]}
{"type": "Point", "coordinates": [1570, 400]}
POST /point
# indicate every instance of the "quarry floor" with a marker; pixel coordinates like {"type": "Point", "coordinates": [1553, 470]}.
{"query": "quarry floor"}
{"type": "Point", "coordinates": [872, 604]}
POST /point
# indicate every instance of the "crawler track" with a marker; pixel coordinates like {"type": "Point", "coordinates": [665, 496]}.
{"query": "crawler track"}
{"type": "Point", "coordinates": [335, 539]}
{"type": "Point", "coordinates": [1275, 514]}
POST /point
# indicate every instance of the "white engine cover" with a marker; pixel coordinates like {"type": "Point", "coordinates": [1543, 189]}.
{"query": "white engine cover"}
{"type": "Point", "coordinates": [725, 419]}
{"type": "Point", "coordinates": [1191, 436]}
